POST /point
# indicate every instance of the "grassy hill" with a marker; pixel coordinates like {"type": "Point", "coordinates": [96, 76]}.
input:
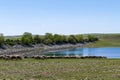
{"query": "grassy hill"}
{"type": "Point", "coordinates": [106, 40]}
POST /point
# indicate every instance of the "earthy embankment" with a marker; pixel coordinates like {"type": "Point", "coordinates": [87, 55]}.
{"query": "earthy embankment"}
{"type": "Point", "coordinates": [37, 52]}
{"type": "Point", "coordinates": [36, 49]}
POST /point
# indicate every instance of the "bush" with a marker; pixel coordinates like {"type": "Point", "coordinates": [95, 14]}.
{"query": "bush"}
{"type": "Point", "coordinates": [1, 39]}
{"type": "Point", "coordinates": [27, 38]}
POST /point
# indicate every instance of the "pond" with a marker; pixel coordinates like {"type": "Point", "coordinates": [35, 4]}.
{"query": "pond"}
{"type": "Point", "coordinates": [109, 52]}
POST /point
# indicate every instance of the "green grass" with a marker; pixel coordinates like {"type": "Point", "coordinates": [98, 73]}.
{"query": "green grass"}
{"type": "Point", "coordinates": [106, 40]}
{"type": "Point", "coordinates": [60, 69]}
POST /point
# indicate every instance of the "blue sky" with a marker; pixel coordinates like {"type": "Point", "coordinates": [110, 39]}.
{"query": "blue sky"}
{"type": "Point", "coordinates": [59, 16]}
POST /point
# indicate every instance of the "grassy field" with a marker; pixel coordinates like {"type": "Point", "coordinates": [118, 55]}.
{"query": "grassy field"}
{"type": "Point", "coordinates": [106, 40]}
{"type": "Point", "coordinates": [60, 69]}
{"type": "Point", "coordinates": [65, 69]}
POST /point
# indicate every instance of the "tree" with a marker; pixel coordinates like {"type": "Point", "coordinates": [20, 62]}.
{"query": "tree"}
{"type": "Point", "coordinates": [79, 38]}
{"type": "Point", "coordinates": [9, 42]}
{"type": "Point", "coordinates": [27, 38]}
{"type": "Point", "coordinates": [58, 39]}
{"type": "Point", "coordinates": [17, 41]}
{"type": "Point", "coordinates": [49, 37]}
{"type": "Point", "coordinates": [72, 39]}
{"type": "Point", "coordinates": [37, 39]}
{"type": "Point", "coordinates": [64, 39]}
{"type": "Point", "coordinates": [1, 39]}
{"type": "Point", "coordinates": [48, 41]}
{"type": "Point", "coordinates": [92, 38]}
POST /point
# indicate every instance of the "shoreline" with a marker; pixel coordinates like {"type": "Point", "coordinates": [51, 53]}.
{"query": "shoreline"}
{"type": "Point", "coordinates": [37, 49]}
{"type": "Point", "coordinates": [62, 47]}
{"type": "Point", "coordinates": [53, 48]}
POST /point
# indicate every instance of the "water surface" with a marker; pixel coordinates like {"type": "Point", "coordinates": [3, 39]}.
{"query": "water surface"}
{"type": "Point", "coordinates": [109, 52]}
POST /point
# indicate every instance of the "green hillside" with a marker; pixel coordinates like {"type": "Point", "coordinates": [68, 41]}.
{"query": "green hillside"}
{"type": "Point", "coordinates": [106, 40]}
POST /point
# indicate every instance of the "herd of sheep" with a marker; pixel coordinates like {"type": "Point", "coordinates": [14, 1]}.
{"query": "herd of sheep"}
{"type": "Point", "coordinates": [18, 57]}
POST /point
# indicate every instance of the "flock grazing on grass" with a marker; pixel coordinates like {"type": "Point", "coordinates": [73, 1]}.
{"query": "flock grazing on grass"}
{"type": "Point", "coordinates": [18, 57]}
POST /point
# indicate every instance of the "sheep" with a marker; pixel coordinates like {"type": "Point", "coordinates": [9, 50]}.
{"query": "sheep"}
{"type": "Point", "coordinates": [13, 57]}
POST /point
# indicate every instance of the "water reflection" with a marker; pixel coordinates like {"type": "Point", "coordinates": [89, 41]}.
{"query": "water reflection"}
{"type": "Point", "coordinates": [90, 52]}
{"type": "Point", "coordinates": [55, 54]}
{"type": "Point", "coordinates": [70, 52]}
{"type": "Point", "coordinates": [108, 52]}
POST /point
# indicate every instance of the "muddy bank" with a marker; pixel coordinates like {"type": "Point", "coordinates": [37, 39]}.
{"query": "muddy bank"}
{"type": "Point", "coordinates": [36, 49]}
{"type": "Point", "coordinates": [52, 48]}
{"type": "Point", "coordinates": [61, 47]}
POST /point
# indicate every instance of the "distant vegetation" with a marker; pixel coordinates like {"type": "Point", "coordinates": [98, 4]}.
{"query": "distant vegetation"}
{"type": "Point", "coordinates": [49, 39]}
{"type": "Point", "coordinates": [106, 40]}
